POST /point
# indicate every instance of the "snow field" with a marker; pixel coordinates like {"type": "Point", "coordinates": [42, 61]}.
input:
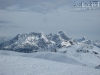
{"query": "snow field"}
{"type": "Point", "coordinates": [18, 65]}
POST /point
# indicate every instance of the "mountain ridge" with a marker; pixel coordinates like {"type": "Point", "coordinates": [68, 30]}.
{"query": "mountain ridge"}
{"type": "Point", "coordinates": [38, 41]}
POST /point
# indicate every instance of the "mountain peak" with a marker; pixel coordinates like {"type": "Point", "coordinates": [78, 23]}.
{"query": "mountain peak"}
{"type": "Point", "coordinates": [63, 35]}
{"type": "Point", "coordinates": [17, 36]}
{"type": "Point", "coordinates": [83, 38]}
{"type": "Point", "coordinates": [61, 32]}
{"type": "Point", "coordinates": [34, 33]}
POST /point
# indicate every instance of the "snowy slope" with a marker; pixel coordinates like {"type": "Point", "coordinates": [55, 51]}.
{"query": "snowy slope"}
{"type": "Point", "coordinates": [17, 65]}
{"type": "Point", "coordinates": [70, 57]}
{"type": "Point", "coordinates": [83, 54]}
{"type": "Point", "coordinates": [44, 55]}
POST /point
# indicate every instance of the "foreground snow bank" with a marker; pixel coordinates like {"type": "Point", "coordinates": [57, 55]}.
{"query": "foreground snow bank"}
{"type": "Point", "coordinates": [18, 65]}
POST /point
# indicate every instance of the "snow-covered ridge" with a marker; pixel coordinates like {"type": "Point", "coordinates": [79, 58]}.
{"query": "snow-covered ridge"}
{"type": "Point", "coordinates": [38, 41]}
{"type": "Point", "coordinates": [35, 41]}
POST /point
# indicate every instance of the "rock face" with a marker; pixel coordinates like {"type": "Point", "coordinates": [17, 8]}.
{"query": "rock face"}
{"type": "Point", "coordinates": [38, 41]}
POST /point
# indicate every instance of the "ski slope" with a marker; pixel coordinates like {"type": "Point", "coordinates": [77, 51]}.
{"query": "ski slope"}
{"type": "Point", "coordinates": [18, 65]}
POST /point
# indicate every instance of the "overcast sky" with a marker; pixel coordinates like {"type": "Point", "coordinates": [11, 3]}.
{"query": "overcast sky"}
{"type": "Point", "coordinates": [48, 16]}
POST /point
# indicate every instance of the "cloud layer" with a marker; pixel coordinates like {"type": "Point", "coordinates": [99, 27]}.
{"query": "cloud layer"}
{"type": "Point", "coordinates": [1, 21]}
{"type": "Point", "coordinates": [35, 5]}
{"type": "Point", "coordinates": [57, 17]}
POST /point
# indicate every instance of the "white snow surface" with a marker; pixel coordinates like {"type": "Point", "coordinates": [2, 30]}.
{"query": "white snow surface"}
{"type": "Point", "coordinates": [89, 59]}
{"type": "Point", "coordinates": [44, 55]}
{"type": "Point", "coordinates": [43, 63]}
{"type": "Point", "coordinates": [18, 65]}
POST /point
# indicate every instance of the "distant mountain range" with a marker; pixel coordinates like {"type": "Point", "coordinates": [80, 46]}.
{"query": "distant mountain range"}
{"type": "Point", "coordinates": [34, 42]}
{"type": "Point", "coordinates": [2, 39]}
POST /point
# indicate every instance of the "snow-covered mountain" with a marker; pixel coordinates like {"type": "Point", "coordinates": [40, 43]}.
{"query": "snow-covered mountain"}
{"type": "Point", "coordinates": [85, 41]}
{"type": "Point", "coordinates": [80, 54]}
{"type": "Point", "coordinates": [34, 42]}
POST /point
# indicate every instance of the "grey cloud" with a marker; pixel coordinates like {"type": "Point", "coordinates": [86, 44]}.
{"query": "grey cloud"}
{"type": "Point", "coordinates": [1, 21]}
{"type": "Point", "coordinates": [47, 4]}
{"type": "Point", "coordinates": [14, 26]}
{"type": "Point", "coordinates": [39, 6]}
{"type": "Point", "coordinates": [7, 24]}
{"type": "Point", "coordinates": [34, 5]}
{"type": "Point", "coordinates": [6, 3]}
{"type": "Point", "coordinates": [1, 26]}
{"type": "Point", "coordinates": [9, 27]}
